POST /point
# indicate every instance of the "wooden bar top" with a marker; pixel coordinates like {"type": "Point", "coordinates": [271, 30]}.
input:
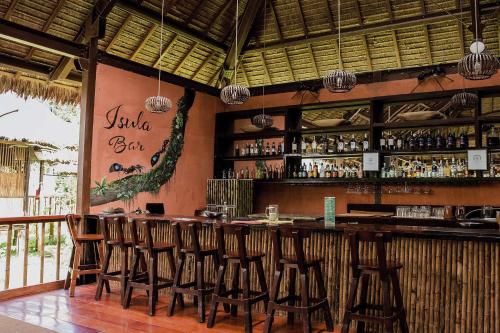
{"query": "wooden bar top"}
{"type": "Point", "coordinates": [429, 232]}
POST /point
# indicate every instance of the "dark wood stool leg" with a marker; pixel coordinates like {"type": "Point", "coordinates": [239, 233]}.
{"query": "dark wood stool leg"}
{"type": "Point", "coordinates": [262, 281]}
{"type": "Point", "coordinates": [235, 286]}
{"type": "Point", "coordinates": [124, 272]}
{"type": "Point", "coordinates": [68, 275]}
{"type": "Point", "coordinates": [153, 283]}
{"type": "Point", "coordinates": [177, 280]}
{"type": "Point", "coordinates": [219, 288]}
{"type": "Point", "coordinates": [353, 289]}
{"type": "Point", "coordinates": [323, 296]}
{"type": "Point", "coordinates": [365, 278]}
{"type": "Point", "coordinates": [304, 295]}
{"type": "Point", "coordinates": [291, 292]}
{"type": "Point", "coordinates": [132, 277]}
{"type": "Point", "coordinates": [403, 325]}
{"type": "Point", "coordinates": [247, 308]}
{"type": "Point", "coordinates": [200, 285]}
{"type": "Point", "coordinates": [278, 275]}
{"type": "Point", "coordinates": [104, 271]}
{"type": "Point", "coordinates": [226, 306]}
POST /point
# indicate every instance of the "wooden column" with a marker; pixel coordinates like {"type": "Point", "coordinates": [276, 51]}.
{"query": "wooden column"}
{"type": "Point", "coordinates": [86, 130]}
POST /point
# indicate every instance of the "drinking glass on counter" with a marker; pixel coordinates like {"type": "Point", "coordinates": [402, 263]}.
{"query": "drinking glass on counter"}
{"type": "Point", "coordinates": [487, 211]}
{"type": "Point", "coordinates": [272, 213]}
{"type": "Point", "coordinates": [460, 214]}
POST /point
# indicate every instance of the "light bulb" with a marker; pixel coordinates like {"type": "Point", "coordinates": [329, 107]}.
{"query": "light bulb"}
{"type": "Point", "coordinates": [477, 47]}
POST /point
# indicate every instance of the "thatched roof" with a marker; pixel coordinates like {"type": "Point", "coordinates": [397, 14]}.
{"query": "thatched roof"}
{"type": "Point", "coordinates": [300, 36]}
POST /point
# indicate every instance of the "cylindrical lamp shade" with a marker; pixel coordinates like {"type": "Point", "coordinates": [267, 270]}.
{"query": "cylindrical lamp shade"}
{"type": "Point", "coordinates": [158, 104]}
{"type": "Point", "coordinates": [262, 121]}
{"type": "Point", "coordinates": [234, 94]}
{"type": "Point", "coordinates": [338, 81]}
{"type": "Point", "coordinates": [478, 66]}
{"type": "Point", "coordinates": [464, 100]}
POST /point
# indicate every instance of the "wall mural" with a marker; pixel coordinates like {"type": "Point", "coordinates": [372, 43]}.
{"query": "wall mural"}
{"type": "Point", "coordinates": [134, 180]}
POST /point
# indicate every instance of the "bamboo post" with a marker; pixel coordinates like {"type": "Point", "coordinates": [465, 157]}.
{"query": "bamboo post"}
{"type": "Point", "coordinates": [58, 252]}
{"type": "Point", "coordinates": [26, 253]}
{"type": "Point", "coordinates": [42, 251]}
{"type": "Point", "coordinates": [7, 257]}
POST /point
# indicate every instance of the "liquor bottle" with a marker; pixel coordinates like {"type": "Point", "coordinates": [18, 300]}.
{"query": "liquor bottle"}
{"type": "Point", "coordinates": [315, 171]}
{"type": "Point", "coordinates": [446, 169]}
{"type": "Point", "coordinates": [453, 168]}
{"type": "Point", "coordinates": [492, 139]}
{"type": "Point", "coordinates": [310, 170]}
{"type": "Point", "coordinates": [421, 141]}
{"type": "Point", "coordinates": [383, 142]}
{"type": "Point", "coordinates": [463, 140]}
{"type": "Point", "coordinates": [280, 148]}
{"type": "Point", "coordinates": [324, 144]}
{"type": "Point", "coordinates": [440, 169]}
{"type": "Point", "coordinates": [440, 143]}
{"type": "Point", "coordinates": [390, 142]}
{"type": "Point", "coordinates": [237, 151]}
{"type": "Point", "coordinates": [328, 171]}
{"type": "Point", "coordinates": [304, 171]}
{"type": "Point", "coordinates": [451, 141]}
{"type": "Point", "coordinates": [399, 143]}
{"type": "Point", "coordinates": [331, 146]}
{"type": "Point", "coordinates": [247, 173]}
{"type": "Point", "coordinates": [411, 141]}
{"type": "Point", "coordinates": [359, 171]}
{"type": "Point", "coordinates": [314, 145]}
{"type": "Point", "coordinates": [335, 170]}
{"type": "Point", "coordinates": [429, 145]}
{"type": "Point", "coordinates": [434, 169]}
{"type": "Point", "coordinates": [273, 149]}
{"type": "Point", "coordinates": [268, 149]}
{"type": "Point", "coordinates": [366, 144]}
{"type": "Point", "coordinates": [353, 144]}
{"type": "Point", "coordinates": [295, 173]}
{"type": "Point", "coordinates": [303, 146]}
{"type": "Point", "coordinates": [341, 171]}
{"type": "Point", "coordinates": [321, 171]}
{"type": "Point", "coordinates": [248, 150]}
{"type": "Point", "coordinates": [383, 172]}
{"type": "Point", "coordinates": [294, 146]}
{"type": "Point", "coordinates": [340, 145]}
{"type": "Point", "coordinates": [224, 174]}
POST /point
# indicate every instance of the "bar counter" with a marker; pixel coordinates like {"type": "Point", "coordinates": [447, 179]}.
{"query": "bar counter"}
{"type": "Point", "coordinates": [450, 279]}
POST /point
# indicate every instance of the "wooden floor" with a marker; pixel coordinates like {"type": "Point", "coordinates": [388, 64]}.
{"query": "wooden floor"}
{"type": "Point", "coordinates": [57, 311]}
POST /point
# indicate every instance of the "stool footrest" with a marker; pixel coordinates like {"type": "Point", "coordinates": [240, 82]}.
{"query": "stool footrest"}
{"type": "Point", "coordinates": [315, 305]}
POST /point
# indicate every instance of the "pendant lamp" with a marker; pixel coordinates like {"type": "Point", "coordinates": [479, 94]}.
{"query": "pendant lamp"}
{"type": "Point", "coordinates": [158, 103]}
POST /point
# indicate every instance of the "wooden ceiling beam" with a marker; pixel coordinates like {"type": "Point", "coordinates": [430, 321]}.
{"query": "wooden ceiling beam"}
{"type": "Point", "coordinates": [196, 11]}
{"type": "Point", "coordinates": [301, 17]}
{"type": "Point", "coordinates": [275, 21]}
{"type": "Point", "coordinates": [10, 9]}
{"type": "Point", "coordinates": [313, 61]}
{"type": "Point", "coordinates": [218, 16]}
{"type": "Point", "coordinates": [47, 24]}
{"type": "Point", "coordinates": [396, 24]}
{"type": "Point", "coordinates": [166, 50]}
{"type": "Point", "coordinates": [186, 57]}
{"type": "Point", "coordinates": [460, 30]}
{"type": "Point", "coordinates": [203, 64]}
{"type": "Point", "coordinates": [396, 48]}
{"type": "Point", "coordinates": [266, 70]}
{"type": "Point", "coordinates": [388, 7]}
{"type": "Point", "coordinates": [367, 52]}
{"type": "Point", "coordinates": [144, 41]}
{"type": "Point", "coordinates": [428, 49]}
{"type": "Point", "coordinates": [288, 64]}
{"type": "Point", "coordinates": [153, 16]}
{"type": "Point", "coordinates": [328, 10]}
{"type": "Point", "coordinates": [244, 72]}
{"type": "Point", "coordinates": [357, 9]}
{"type": "Point", "coordinates": [117, 35]}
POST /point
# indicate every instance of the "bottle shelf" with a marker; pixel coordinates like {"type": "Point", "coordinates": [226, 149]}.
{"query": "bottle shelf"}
{"type": "Point", "coordinates": [254, 135]}
{"type": "Point", "coordinates": [336, 129]}
{"type": "Point", "coordinates": [426, 123]}
{"type": "Point", "coordinates": [425, 152]}
{"type": "Point", "coordinates": [253, 158]}
{"type": "Point", "coordinates": [333, 155]}
{"type": "Point", "coordinates": [381, 181]}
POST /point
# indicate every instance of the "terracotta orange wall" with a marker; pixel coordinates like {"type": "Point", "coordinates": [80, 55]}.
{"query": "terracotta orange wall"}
{"type": "Point", "coordinates": [186, 190]}
{"type": "Point", "coordinates": [309, 199]}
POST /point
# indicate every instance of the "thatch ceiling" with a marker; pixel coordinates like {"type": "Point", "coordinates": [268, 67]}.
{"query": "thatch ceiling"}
{"type": "Point", "coordinates": [298, 42]}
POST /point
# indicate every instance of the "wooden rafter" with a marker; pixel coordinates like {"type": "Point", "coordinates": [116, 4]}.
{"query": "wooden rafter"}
{"type": "Point", "coordinates": [357, 9]}
{"type": "Point", "coordinates": [117, 35]}
{"type": "Point", "coordinates": [186, 57]}
{"type": "Point", "coordinates": [288, 64]}
{"type": "Point", "coordinates": [275, 20]}
{"type": "Point", "coordinates": [396, 48]}
{"type": "Point", "coordinates": [196, 11]}
{"type": "Point", "coordinates": [422, 7]}
{"type": "Point", "coordinates": [217, 74]}
{"type": "Point", "coordinates": [266, 70]}
{"type": "Point", "coordinates": [367, 52]}
{"type": "Point", "coordinates": [313, 61]}
{"type": "Point", "coordinates": [47, 24]}
{"type": "Point", "coordinates": [460, 30]}
{"type": "Point", "coordinates": [388, 7]}
{"type": "Point", "coordinates": [301, 17]}
{"type": "Point", "coordinates": [10, 10]}
{"type": "Point", "coordinates": [428, 49]}
{"type": "Point", "coordinates": [166, 50]}
{"type": "Point", "coordinates": [244, 72]}
{"type": "Point", "coordinates": [328, 10]}
{"type": "Point", "coordinates": [203, 64]}
{"type": "Point", "coordinates": [218, 15]}
{"type": "Point", "coordinates": [144, 42]}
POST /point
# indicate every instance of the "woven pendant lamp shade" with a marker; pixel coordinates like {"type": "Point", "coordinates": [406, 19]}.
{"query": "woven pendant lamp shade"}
{"type": "Point", "coordinates": [158, 104]}
{"type": "Point", "coordinates": [338, 81]}
{"type": "Point", "coordinates": [478, 66]}
{"type": "Point", "coordinates": [464, 100]}
{"type": "Point", "coordinates": [234, 94]}
{"type": "Point", "coordinates": [262, 121]}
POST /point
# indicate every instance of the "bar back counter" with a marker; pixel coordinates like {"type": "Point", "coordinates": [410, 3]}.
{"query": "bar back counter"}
{"type": "Point", "coordinates": [450, 280]}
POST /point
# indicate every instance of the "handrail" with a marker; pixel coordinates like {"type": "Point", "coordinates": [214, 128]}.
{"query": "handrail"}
{"type": "Point", "coordinates": [31, 219]}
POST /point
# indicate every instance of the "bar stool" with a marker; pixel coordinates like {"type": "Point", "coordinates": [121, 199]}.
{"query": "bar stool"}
{"type": "Point", "coordinates": [293, 262]}
{"type": "Point", "coordinates": [80, 240]}
{"type": "Point", "coordinates": [110, 243]}
{"type": "Point", "coordinates": [363, 269]}
{"type": "Point", "coordinates": [241, 260]}
{"type": "Point", "coordinates": [197, 288]}
{"type": "Point", "coordinates": [150, 282]}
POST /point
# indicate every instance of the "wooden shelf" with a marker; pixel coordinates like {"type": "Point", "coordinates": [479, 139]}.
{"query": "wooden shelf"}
{"type": "Point", "coordinates": [334, 155]}
{"type": "Point", "coordinates": [425, 152]}
{"type": "Point", "coordinates": [426, 123]}
{"type": "Point", "coordinates": [489, 119]}
{"type": "Point", "coordinates": [336, 129]}
{"type": "Point", "coordinates": [252, 158]}
{"type": "Point", "coordinates": [381, 181]}
{"type": "Point", "coordinates": [254, 135]}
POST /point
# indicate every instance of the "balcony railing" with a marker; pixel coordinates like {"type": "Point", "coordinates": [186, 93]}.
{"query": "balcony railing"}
{"type": "Point", "coordinates": [33, 249]}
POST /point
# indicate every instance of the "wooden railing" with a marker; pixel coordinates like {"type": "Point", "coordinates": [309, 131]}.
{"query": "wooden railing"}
{"type": "Point", "coordinates": [22, 229]}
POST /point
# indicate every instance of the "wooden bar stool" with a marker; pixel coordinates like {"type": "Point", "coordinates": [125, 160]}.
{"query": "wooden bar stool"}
{"type": "Point", "coordinates": [150, 282]}
{"type": "Point", "coordinates": [190, 246]}
{"type": "Point", "coordinates": [80, 240]}
{"type": "Point", "coordinates": [110, 243]}
{"type": "Point", "coordinates": [293, 262]}
{"type": "Point", "coordinates": [241, 260]}
{"type": "Point", "coordinates": [363, 269]}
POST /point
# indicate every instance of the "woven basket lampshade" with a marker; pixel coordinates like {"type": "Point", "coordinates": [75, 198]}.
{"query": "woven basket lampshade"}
{"type": "Point", "coordinates": [234, 94]}
{"type": "Point", "coordinates": [158, 104]}
{"type": "Point", "coordinates": [338, 81]}
{"type": "Point", "coordinates": [464, 100]}
{"type": "Point", "coordinates": [478, 65]}
{"type": "Point", "coordinates": [262, 121]}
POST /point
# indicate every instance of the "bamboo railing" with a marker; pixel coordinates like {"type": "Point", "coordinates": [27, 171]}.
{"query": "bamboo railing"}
{"type": "Point", "coordinates": [17, 228]}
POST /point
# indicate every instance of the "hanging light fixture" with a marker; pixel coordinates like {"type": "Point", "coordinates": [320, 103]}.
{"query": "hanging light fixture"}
{"type": "Point", "coordinates": [480, 64]}
{"type": "Point", "coordinates": [235, 93]}
{"type": "Point", "coordinates": [263, 120]}
{"type": "Point", "coordinates": [158, 103]}
{"type": "Point", "coordinates": [338, 80]}
{"type": "Point", "coordinates": [464, 100]}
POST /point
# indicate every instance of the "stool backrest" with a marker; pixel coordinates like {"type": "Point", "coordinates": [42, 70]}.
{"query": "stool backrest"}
{"type": "Point", "coordinates": [237, 231]}
{"type": "Point", "coordinates": [73, 222]}
{"type": "Point", "coordinates": [297, 235]}
{"type": "Point", "coordinates": [380, 238]}
{"type": "Point", "coordinates": [142, 230]}
{"type": "Point", "coordinates": [192, 228]}
{"type": "Point", "coordinates": [117, 223]}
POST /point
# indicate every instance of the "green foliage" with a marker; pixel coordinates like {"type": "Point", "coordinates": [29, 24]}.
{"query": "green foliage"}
{"type": "Point", "coordinates": [32, 245]}
{"type": "Point", "coordinates": [101, 187]}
